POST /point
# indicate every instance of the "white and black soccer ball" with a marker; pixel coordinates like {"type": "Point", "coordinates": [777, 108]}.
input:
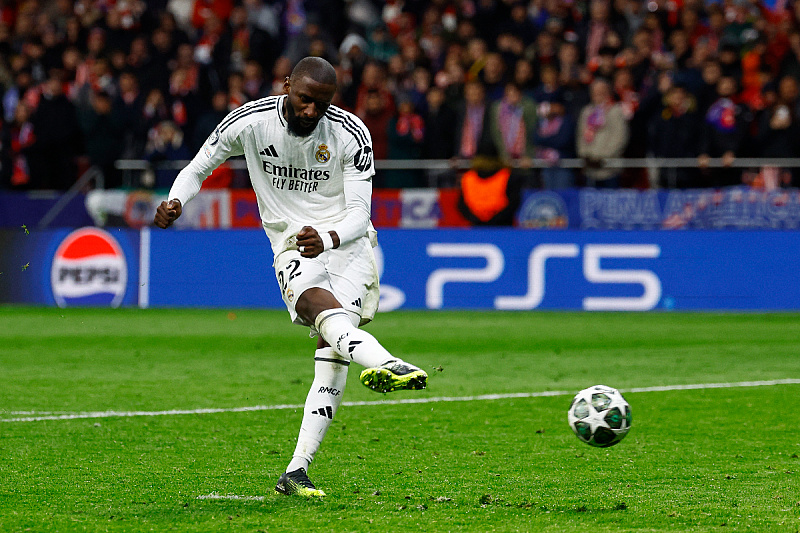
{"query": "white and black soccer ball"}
{"type": "Point", "coordinates": [600, 416]}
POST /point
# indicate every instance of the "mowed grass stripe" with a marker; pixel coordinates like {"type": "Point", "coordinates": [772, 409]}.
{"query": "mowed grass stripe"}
{"type": "Point", "coordinates": [435, 399]}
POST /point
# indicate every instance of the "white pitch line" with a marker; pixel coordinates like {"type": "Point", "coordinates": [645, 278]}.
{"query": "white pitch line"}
{"type": "Point", "coordinates": [434, 399]}
{"type": "Point", "coordinates": [215, 496]}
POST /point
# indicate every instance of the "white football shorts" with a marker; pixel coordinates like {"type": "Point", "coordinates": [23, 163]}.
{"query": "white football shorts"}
{"type": "Point", "coordinates": [348, 272]}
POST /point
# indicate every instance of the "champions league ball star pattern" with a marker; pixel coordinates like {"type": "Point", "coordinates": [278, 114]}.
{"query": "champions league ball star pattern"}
{"type": "Point", "coordinates": [600, 416]}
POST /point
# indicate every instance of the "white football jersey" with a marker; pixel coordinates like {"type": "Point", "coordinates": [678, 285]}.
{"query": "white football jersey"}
{"type": "Point", "coordinates": [298, 181]}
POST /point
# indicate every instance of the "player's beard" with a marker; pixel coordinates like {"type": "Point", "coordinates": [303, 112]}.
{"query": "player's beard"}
{"type": "Point", "coordinates": [296, 126]}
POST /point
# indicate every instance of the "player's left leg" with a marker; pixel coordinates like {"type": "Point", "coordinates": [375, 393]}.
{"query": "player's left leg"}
{"type": "Point", "coordinates": [322, 402]}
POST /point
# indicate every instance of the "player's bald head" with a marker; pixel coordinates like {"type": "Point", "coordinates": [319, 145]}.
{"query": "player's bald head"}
{"type": "Point", "coordinates": [315, 68]}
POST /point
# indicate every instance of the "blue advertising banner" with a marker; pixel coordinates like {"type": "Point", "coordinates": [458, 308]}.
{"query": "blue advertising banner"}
{"type": "Point", "coordinates": [592, 270]}
{"type": "Point", "coordinates": [507, 269]}
{"type": "Point", "coordinates": [727, 208]}
{"type": "Point", "coordinates": [83, 267]}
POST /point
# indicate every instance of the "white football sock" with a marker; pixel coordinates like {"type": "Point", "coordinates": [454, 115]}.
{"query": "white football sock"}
{"type": "Point", "coordinates": [330, 377]}
{"type": "Point", "coordinates": [350, 342]}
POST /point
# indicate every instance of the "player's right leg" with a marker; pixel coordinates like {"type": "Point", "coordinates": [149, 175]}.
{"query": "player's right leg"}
{"type": "Point", "coordinates": [384, 372]}
{"type": "Point", "coordinates": [309, 297]}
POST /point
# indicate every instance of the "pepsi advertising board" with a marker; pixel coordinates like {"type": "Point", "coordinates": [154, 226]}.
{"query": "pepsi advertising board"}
{"type": "Point", "coordinates": [65, 268]}
{"type": "Point", "coordinates": [505, 269]}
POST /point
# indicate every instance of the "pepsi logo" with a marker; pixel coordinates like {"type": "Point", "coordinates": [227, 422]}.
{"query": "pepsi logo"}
{"type": "Point", "coordinates": [89, 268]}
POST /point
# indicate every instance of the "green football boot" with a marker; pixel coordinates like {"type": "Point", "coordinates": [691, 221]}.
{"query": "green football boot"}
{"type": "Point", "coordinates": [297, 482]}
{"type": "Point", "coordinates": [392, 376]}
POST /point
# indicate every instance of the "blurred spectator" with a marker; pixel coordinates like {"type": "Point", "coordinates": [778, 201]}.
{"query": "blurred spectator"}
{"type": "Point", "coordinates": [23, 83]}
{"type": "Point", "coordinates": [406, 133]}
{"type": "Point", "coordinates": [57, 138]}
{"type": "Point", "coordinates": [549, 89]}
{"type": "Point", "coordinates": [439, 120]}
{"type": "Point", "coordinates": [493, 77]}
{"type": "Point", "coordinates": [525, 79]}
{"type": "Point", "coordinates": [473, 123]}
{"type": "Point", "coordinates": [519, 24]}
{"type": "Point", "coordinates": [373, 80]}
{"type": "Point", "coordinates": [264, 31]}
{"type": "Point", "coordinates": [154, 111]}
{"type": "Point", "coordinates": [779, 130]}
{"type": "Point", "coordinates": [711, 73]}
{"type": "Point", "coordinates": [21, 138]}
{"type": "Point", "coordinates": [93, 75]}
{"type": "Point", "coordinates": [312, 37]}
{"type": "Point", "coordinates": [555, 140]}
{"type": "Point", "coordinates": [418, 87]}
{"type": "Point", "coordinates": [573, 78]}
{"type": "Point", "coordinates": [253, 83]}
{"type": "Point", "coordinates": [203, 10]}
{"type": "Point", "coordinates": [102, 134]}
{"type": "Point", "coordinates": [724, 130]}
{"type": "Point", "coordinates": [602, 21]}
{"type": "Point", "coordinates": [513, 124]}
{"type": "Point", "coordinates": [790, 64]}
{"type": "Point", "coordinates": [211, 53]}
{"type": "Point", "coordinates": [209, 120]}
{"type": "Point", "coordinates": [157, 61]}
{"type": "Point", "coordinates": [127, 108]}
{"type": "Point", "coordinates": [354, 57]}
{"type": "Point", "coordinates": [184, 88]}
{"type": "Point", "coordinates": [376, 115]}
{"type": "Point", "coordinates": [380, 45]}
{"type": "Point", "coordinates": [280, 71]}
{"type": "Point", "coordinates": [490, 190]}
{"type": "Point", "coordinates": [602, 134]}
{"type": "Point", "coordinates": [730, 61]}
{"type": "Point", "coordinates": [166, 144]}
{"type": "Point", "coordinates": [674, 132]}
{"type": "Point", "coordinates": [439, 142]}
{"type": "Point", "coordinates": [236, 94]}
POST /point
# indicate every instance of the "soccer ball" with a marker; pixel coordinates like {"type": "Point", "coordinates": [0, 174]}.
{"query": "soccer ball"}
{"type": "Point", "coordinates": [600, 416]}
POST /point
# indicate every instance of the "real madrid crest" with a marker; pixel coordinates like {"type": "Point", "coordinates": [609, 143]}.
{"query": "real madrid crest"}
{"type": "Point", "coordinates": [322, 155]}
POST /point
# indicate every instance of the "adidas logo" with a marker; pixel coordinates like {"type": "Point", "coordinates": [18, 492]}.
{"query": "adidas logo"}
{"type": "Point", "coordinates": [270, 151]}
{"type": "Point", "coordinates": [357, 302]}
{"type": "Point", "coordinates": [324, 411]}
{"type": "Point", "coordinates": [353, 345]}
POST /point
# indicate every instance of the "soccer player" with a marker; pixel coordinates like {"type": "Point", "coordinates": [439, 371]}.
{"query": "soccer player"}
{"type": "Point", "coordinates": [311, 167]}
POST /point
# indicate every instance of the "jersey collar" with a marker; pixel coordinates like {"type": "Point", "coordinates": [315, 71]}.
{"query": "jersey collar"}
{"type": "Point", "coordinates": [279, 110]}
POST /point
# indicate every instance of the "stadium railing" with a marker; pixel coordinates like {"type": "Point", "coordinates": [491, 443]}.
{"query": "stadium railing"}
{"type": "Point", "coordinates": [440, 172]}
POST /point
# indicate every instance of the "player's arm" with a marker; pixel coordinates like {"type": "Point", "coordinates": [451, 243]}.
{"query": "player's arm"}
{"type": "Point", "coordinates": [358, 198]}
{"type": "Point", "coordinates": [358, 168]}
{"type": "Point", "coordinates": [215, 151]}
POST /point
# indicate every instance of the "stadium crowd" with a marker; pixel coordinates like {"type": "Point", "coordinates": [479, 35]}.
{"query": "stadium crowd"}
{"type": "Point", "coordinates": [88, 82]}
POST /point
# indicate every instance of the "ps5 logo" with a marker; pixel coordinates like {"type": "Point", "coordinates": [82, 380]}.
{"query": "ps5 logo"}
{"type": "Point", "coordinates": [539, 257]}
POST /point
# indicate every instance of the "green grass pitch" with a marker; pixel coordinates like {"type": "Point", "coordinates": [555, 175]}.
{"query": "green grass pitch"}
{"type": "Point", "coordinates": [708, 459]}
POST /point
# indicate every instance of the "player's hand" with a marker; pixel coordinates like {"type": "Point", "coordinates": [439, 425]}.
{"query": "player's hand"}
{"type": "Point", "coordinates": [309, 243]}
{"type": "Point", "coordinates": [167, 213]}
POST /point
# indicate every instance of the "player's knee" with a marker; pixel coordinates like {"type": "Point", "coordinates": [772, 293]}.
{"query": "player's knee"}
{"type": "Point", "coordinates": [313, 302]}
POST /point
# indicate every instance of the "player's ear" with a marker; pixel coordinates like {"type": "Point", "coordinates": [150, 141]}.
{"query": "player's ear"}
{"type": "Point", "coordinates": [286, 85]}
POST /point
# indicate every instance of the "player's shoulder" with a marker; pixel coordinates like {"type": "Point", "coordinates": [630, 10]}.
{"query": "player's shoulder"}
{"type": "Point", "coordinates": [348, 125]}
{"type": "Point", "coordinates": [249, 113]}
